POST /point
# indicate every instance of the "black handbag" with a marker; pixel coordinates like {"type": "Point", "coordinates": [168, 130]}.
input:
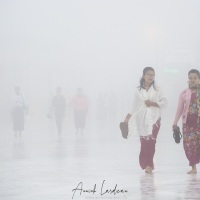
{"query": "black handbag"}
{"type": "Point", "coordinates": [177, 135]}
{"type": "Point", "coordinates": [124, 129]}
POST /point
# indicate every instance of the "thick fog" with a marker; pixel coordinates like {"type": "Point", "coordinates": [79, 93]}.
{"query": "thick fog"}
{"type": "Point", "coordinates": [100, 46]}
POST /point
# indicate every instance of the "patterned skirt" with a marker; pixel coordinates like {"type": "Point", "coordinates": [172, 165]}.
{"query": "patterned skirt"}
{"type": "Point", "coordinates": [191, 143]}
{"type": "Point", "coordinates": [191, 133]}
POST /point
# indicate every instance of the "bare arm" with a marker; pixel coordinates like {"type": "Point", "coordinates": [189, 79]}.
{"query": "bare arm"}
{"type": "Point", "coordinates": [128, 116]}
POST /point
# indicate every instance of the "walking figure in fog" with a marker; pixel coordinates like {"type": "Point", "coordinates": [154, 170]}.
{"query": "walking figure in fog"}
{"type": "Point", "coordinates": [58, 105]}
{"type": "Point", "coordinates": [145, 116]}
{"type": "Point", "coordinates": [17, 112]}
{"type": "Point", "coordinates": [80, 104]}
{"type": "Point", "coordinates": [189, 109]}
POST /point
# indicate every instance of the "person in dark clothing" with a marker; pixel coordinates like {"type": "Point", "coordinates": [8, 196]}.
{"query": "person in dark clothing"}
{"type": "Point", "coordinates": [58, 105]}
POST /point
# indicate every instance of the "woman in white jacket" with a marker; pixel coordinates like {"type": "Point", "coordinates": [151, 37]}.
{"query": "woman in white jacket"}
{"type": "Point", "coordinates": [145, 116]}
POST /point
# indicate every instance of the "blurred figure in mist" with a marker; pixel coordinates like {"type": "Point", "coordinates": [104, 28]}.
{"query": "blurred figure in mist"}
{"type": "Point", "coordinates": [102, 108]}
{"type": "Point", "coordinates": [17, 112]}
{"type": "Point", "coordinates": [80, 104]}
{"type": "Point", "coordinates": [58, 106]}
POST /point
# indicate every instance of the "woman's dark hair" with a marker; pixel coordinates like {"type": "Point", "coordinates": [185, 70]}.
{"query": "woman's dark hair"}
{"type": "Point", "coordinates": [195, 71]}
{"type": "Point", "coordinates": [145, 70]}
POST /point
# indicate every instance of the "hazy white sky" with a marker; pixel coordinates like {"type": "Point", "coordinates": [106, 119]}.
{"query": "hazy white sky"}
{"type": "Point", "coordinates": [101, 45]}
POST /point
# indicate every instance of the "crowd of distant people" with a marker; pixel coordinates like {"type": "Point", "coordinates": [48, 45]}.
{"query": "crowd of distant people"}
{"type": "Point", "coordinates": [105, 108]}
{"type": "Point", "coordinates": [144, 116]}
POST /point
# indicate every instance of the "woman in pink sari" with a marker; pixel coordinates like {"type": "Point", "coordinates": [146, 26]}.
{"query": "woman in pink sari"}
{"type": "Point", "coordinates": [145, 116]}
{"type": "Point", "coordinates": [80, 104]}
{"type": "Point", "coordinates": [189, 109]}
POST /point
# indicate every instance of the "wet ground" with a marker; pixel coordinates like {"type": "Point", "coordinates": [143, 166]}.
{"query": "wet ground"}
{"type": "Point", "coordinates": [99, 164]}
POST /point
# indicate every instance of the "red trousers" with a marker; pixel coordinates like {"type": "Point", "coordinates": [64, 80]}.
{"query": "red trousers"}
{"type": "Point", "coordinates": [148, 144]}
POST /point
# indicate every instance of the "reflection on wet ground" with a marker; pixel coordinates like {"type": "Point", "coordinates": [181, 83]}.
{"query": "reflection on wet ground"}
{"type": "Point", "coordinates": [96, 165]}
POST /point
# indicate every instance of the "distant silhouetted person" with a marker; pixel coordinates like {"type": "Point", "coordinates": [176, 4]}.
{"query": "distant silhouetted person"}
{"type": "Point", "coordinates": [58, 105]}
{"type": "Point", "coordinates": [18, 109]}
{"type": "Point", "coordinates": [80, 104]}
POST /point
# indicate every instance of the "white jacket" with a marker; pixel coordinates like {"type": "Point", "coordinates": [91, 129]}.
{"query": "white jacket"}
{"type": "Point", "coordinates": [144, 117]}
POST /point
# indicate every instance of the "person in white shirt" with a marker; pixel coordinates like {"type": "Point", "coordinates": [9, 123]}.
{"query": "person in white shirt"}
{"type": "Point", "coordinates": [18, 108]}
{"type": "Point", "coordinates": [145, 116]}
